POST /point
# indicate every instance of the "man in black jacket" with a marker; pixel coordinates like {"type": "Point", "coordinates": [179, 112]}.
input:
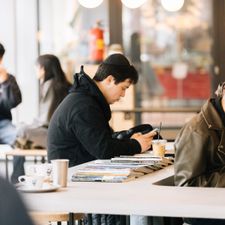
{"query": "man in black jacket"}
{"type": "Point", "coordinates": [10, 97]}
{"type": "Point", "coordinates": [79, 129]}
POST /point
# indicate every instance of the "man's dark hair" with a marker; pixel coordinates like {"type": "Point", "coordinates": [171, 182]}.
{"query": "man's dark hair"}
{"type": "Point", "coordinates": [119, 67]}
{"type": "Point", "coordinates": [2, 50]}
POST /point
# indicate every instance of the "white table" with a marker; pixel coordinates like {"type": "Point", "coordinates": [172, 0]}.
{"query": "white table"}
{"type": "Point", "coordinates": [138, 197]}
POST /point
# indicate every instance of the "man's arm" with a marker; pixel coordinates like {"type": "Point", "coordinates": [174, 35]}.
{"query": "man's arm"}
{"type": "Point", "coordinates": [95, 135]}
{"type": "Point", "coordinates": [10, 94]}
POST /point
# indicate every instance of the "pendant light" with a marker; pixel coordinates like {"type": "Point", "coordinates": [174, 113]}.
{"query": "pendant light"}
{"type": "Point", "coordinates": [90, 3]}
{"type": "Point", "coordinates": [172, 5]}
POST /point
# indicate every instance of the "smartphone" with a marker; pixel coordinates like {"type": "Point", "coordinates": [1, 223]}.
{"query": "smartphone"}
{"type": "Point", "coordinates": [148, 131]}
{"type": "Point", "coordinates": [156, 130]}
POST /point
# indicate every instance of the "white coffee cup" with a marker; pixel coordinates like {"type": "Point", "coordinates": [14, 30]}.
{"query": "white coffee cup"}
{"type": "Point", "coordinates": [40, 170]}
{"type": "Point", "coordinates": [60, 171]}
{"type": "Point", "coordinates": [32, 182]}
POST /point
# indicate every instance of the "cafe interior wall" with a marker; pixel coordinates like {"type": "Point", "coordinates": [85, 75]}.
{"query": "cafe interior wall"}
{"type": "Point", "coordinates": [18, 34]}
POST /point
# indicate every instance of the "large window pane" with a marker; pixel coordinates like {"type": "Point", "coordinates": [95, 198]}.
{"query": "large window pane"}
{"type": "Point", "coordinates": [174, 59]}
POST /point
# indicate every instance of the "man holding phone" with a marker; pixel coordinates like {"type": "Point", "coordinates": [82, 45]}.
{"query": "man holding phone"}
{"type": "Point", "coordinates": [79, 129]}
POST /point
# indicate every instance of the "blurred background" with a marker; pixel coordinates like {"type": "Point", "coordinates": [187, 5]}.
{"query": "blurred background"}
{"type": "Point", "coordinates": [177, 47]}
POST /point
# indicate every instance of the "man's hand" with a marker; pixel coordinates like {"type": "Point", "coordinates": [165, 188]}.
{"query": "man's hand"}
{"type": "Point", "coordinates": [3, 74]}
{"type": "Point", "coordinates": [145, 140]}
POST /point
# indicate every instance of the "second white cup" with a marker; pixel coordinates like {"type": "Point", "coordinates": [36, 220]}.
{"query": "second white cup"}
{"type": "Point", "coordinates": [60, 171]}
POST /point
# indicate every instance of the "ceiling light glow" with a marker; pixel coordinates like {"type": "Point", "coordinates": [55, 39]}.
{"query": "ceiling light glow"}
{"type": "Point", "coordinates": [90, 3]}
{"type": "Point", "coordinates": [172, 5]}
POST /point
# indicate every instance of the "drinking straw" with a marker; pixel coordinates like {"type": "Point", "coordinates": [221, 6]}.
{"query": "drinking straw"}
{"type": "Point", "coordinates": [160, 127]}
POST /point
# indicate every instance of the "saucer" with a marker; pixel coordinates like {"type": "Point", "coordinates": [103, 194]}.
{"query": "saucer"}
{"type": "Point", "coordinates": [45, 188]}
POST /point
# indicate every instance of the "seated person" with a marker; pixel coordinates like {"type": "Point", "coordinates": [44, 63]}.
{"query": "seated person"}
{"type": "Point", "coordinates": [53, 88]}
{"type": "Point", "coordinates": [79, 129]}
{"type": "Point", "coordinates": [12, 208]}
{"type": "Point", "coordinates": [10, 97]}
{"type": "Point", "coordinates": [200, 150]}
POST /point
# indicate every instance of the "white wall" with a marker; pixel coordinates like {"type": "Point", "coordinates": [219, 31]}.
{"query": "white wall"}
{"type": "Point", "coordinates": [18, 34]}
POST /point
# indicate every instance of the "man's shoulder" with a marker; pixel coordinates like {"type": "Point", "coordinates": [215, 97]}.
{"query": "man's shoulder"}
{"type": "Point", "coordinates": [76, 102]}
{"type": "Point", "coordinates": [11, 78]}
{"type": "Point", "coordinates": [80, 97]}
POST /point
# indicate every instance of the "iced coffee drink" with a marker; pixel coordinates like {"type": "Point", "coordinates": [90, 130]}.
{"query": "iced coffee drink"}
{"type": "Point", "coordinates": [158, 147]}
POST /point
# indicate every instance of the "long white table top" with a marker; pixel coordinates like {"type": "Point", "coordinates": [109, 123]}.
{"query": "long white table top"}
{"type": "Point", "coordinates": [136, 197]}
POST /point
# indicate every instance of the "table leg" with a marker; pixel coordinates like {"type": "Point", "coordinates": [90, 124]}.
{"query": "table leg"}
{"type": "Point", "coordinates": [6, 167]}
{"type": "Point", "coordinates": [71, 218]}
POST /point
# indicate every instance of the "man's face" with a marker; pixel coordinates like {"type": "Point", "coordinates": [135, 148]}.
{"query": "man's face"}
{"type": "Point", "coordinates": [114, 92]}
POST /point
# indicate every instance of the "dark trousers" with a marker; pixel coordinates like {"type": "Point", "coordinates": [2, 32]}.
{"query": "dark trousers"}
{"type": "Point", "coordinates": [18, 168]}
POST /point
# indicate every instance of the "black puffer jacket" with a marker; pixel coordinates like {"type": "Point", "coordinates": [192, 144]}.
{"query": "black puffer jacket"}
{"type": "Point", "coordinates": [79, 129]}
{"type": "Point", "coordinates": [10, 97]}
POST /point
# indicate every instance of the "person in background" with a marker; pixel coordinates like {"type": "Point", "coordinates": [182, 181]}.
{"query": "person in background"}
{"type": "Point", "coordinates": [12, 208]}
{"type": "Point", "coordinates": [53, 88]}
{"type": "Point", "coordinates": [10, 97]}
{"type": "Point", "coordinates": [200, 150]}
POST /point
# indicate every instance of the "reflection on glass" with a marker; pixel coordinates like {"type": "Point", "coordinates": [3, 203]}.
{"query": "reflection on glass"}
{"type": "Point", "coordinates": [168, 39]}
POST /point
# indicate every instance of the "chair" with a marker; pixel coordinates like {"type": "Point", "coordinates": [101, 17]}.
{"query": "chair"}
{"type": "Point", "coordinates": [41, 218]}
{"type": "Point", "coordinates": [21, 152]}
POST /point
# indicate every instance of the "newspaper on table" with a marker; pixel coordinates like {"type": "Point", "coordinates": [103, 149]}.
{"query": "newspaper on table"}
{"type": "Point", "coordinates": [119, 169]}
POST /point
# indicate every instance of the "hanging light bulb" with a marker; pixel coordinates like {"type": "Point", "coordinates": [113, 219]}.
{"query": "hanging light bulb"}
{"type": "Point", "coordinates": [90, 3]}
{"type": "Point", "coordinates": [132, 4]}
{"type": "Point", "coordinates": [172, 5]}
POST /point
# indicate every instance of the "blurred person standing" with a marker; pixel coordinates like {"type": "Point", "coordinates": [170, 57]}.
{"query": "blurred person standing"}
{"type": "Point", "coordinates": [10, 97]}
{"type": "Point", "coordinates": [200, 150]}
{"type": "Point", "coordinates": [53, 88]}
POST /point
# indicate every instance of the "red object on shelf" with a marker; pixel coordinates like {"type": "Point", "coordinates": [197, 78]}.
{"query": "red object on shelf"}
{"type": "Point", "coordinates": [194, 86]}
{"type": "Point", "coordinates": [96, 44]}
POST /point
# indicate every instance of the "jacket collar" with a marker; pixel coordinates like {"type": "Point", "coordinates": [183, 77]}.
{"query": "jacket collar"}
{"type": "Point", "coordinates": [211, 116]}
{"type": "Point", "coordinates": [84, 84]}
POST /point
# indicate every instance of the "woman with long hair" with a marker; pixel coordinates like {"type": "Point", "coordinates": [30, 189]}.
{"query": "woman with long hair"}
{"type": "Point", "coordinates": [53, 88]}
{"type": "Point", "coordinates": [53, 85]}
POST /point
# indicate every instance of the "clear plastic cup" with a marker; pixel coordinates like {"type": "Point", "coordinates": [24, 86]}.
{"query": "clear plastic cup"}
{"type": "Point", "coordinates": [159, 147]}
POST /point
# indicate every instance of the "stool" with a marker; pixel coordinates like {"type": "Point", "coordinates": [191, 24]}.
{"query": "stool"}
{"type": "Point", "coordinates": [47, 217]}
{"type": "Point", "coordinates": [22, 152]}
